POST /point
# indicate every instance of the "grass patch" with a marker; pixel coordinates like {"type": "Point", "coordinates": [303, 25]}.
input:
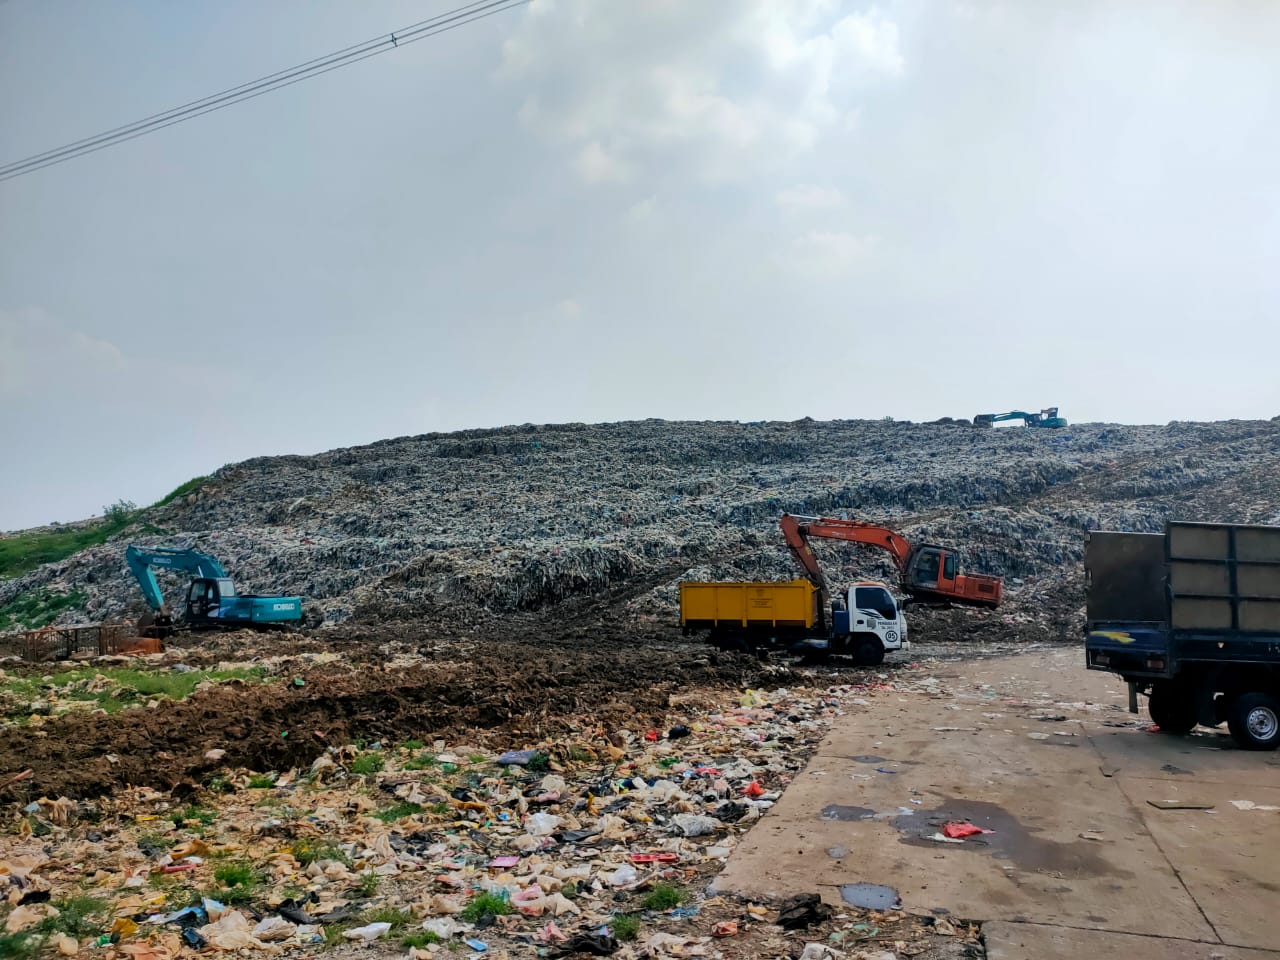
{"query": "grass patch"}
{"type": "Point", "coordinates": [77, 917]}
{"type": "Point", "coordinates": [580, 754]}
{"type": "Point", "coordinates": [414, 745]}
{"type": "Point", "coordinates": [261, 781]}
{"type": "Point", "coordinates": [200, 815]}
{"type": "Point", "coordinates": [120, 687]}
{"type": "Point", "coordinates": [309, 851]}
{"type": "Point", "coordinates": [398, 812]}
{"type": "Point", "coordinates": [368, 884]}
{"type": "Point", "coordinates": [419, 939]}
{"type": "Point", "coordinates": [625, 926]}
{"type": "Point", "coordinates": [420, 763]}
{"type": "Point", "coordinates": [367, 764]}
{"type": "Point", "coordinates": [238, 882]}
{"type": "Point", "coordinates": [26, 551]}
{"type": "Point", "coordinates": [19, 946]}
{"type": "Point", "coordinates": [664, 896]}
{"type": "Point", "coordinates": [37, 608]}
{"type": "Point", "coordinates": [486, 905]}
{"type": "Point", "coordinates": [386, 914]}
{"type": "Point", "coordinates": [539, 762]}
{"type": "Point", "coordinates": [195, 483]}
{"type": "Point", "coordinates": [477, 758]}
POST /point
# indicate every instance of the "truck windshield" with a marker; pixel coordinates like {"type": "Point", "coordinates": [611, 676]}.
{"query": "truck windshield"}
{"type": "Point", "coordinates": [877, 599]}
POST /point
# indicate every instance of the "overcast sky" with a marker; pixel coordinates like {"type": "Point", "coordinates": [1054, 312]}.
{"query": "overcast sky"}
{"type": "Point", "coordinates": [612, 209]}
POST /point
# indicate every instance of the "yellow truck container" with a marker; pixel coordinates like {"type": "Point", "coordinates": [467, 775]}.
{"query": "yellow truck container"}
{"type": "Point", "coordinates": [788, 604]}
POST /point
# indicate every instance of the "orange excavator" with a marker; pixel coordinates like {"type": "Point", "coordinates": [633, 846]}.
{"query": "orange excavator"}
{"type": "Point", "coordinates": [929, 573]}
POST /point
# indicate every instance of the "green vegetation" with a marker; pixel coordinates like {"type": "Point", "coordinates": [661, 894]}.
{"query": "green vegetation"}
{"type": "Point", "coordinates": [385, 914]}
{"type": "Point", "coordinates": [368, 884]}
{"type": "Point", "coordinates": [398, 812]}
{"type": "Point", "coordinates": [413, 745]}
{"type": "Point", "coordinates": [25, 552]}
{"type": "Point", "coordinates": [181, 490]}
{"type": "Point", "coordinates": [261, 781]}
{"type": "Point", "coordinates": [201, 815]}
{"type": "Point", "coordinates": [239, 881]}
{"type": "Point", "coordinates": [367, 763]}
{"type": "Point", "coordinates": [310, 850]}
{"type": "Point", "coordinates": [580, 754]}
{"type": "Point", "coordinates": [19, 946]}
{"type": "Point", "coordinates": [420, 763]}
{"type": "Point", "coordinates": [419, 939]}
{"type": "Point", "coordinates": [486, 905]}
{"type": "Point", "coordinates": [77, 917]}
{"type": "Point", "coordinates": [625, 926]}
{"type": "Point", "coordinates": [477, 758]}
{"type": "Point", "coordinates": [664, 896]}
{"type": "Point", "coordinates": [37, 608]}
{"type": "Point", "coordinates": [112, 689]}
{"type": "Point", "coordinates": [539, 762]}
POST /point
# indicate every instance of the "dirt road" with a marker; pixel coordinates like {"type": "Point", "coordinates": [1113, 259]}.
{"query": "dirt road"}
{"type": "Point", "coordinates": [1043, 753]}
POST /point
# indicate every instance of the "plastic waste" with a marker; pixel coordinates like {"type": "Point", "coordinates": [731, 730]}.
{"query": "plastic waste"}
{"type": "Point", "coordinates": [231, 932]}
{"type": "Point", "coordinates": [369, 932]}
{"type": "Point", "coordinates": [957, 829]}
{"type": "Point", "coordinates": [695, 825]}
{"type": "Point", "coordinates": [542, 824]}
{"type": "Point", "coordinates": [624, 876]}
{"type": "Point", "coordinates": [516, 758]}
{"type": "Point", "coordinates": [274, 929]}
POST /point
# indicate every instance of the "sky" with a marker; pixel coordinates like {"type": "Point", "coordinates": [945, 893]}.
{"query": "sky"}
{"type": "Point", "coordinates": [597, 210]}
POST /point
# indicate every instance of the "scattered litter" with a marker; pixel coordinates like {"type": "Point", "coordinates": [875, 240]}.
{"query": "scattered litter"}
{"type": "Point", "coordinates": [1250, 805]}
{"type": "Point", "coordinates": [1180, 805]}
{"type": "Point", "coordinates": [957, 829]}
{"type": "Point", "coordinates": [803, 910]}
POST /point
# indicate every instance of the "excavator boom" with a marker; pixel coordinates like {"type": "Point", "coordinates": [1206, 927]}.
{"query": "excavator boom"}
{"type": "Point", "coordinates": [927, 572]}
{"type": "Point", "coordinates": [142, 564]}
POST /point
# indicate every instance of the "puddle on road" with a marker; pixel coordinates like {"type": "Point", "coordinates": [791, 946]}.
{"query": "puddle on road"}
{"type": "Point", "coordinates": [868, 758]}
{"type": "Point", "coordinates": [870, 896]}
{"type": "Point", "coordinates": [1011, 841]}
{"type": "Point", "coordinates": [837, 853]}
{"type": "Point", "coordinates": [839, 811]}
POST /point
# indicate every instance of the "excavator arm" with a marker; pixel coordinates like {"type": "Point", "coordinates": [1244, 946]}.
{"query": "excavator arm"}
{"type": "Point", "coordinates": [142, 564]}
{"type": "Point", "coordinates": [797, 531]}
{"type": "Point", "coordinates": [928, 573]}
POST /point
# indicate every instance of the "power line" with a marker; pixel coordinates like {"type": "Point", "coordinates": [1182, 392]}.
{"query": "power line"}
{"type": "Point", "coordinates": [384, 43]}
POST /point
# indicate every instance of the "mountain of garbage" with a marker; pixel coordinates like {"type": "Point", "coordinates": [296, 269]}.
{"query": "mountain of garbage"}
{"type": "Point", "coordinates": [476, 529]}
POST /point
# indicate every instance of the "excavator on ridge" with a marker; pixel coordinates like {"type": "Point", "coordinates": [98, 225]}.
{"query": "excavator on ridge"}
{"type": "Point", "coordinates": [929, 573]}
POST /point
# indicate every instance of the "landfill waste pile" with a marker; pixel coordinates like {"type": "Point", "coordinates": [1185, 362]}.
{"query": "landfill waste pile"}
{"type": "Point", "coordinates": [593, 835]}
{"type": "Point", "coordinates": [478, 530]}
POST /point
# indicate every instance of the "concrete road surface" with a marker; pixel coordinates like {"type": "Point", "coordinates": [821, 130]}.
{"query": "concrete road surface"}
{"type": "Point", "coordinates": [1042, 752]}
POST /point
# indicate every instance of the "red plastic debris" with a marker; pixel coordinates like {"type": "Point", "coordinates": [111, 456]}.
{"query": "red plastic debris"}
{"type": "Point", "coordinates": [753, 789]}
{"type": "Point", "coordinates": [652, 736]}
{"type": "Point", "coordinates": [958, 830]}
{"type": "Point", "coordinates": [654, 857]}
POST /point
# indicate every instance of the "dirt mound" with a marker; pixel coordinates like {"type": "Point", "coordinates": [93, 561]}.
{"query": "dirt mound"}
{"type": "Point", "coordinates": [516, 692]}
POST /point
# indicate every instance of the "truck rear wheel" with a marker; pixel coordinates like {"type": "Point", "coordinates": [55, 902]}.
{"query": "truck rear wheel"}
{"type": "Point", "coordinates": [1254, 721]}
{"type": "Point", "coordinates": [1172, 708]}
{"type": "Point", "coordinates": [868, 652]}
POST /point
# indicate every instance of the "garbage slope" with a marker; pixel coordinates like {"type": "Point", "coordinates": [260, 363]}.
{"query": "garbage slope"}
{"type": "Point", "coordinates": [524, 525]}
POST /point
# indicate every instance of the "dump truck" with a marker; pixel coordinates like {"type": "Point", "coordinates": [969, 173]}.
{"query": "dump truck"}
{"type": "Point", "coordinates": [865, 623]}
{"type": "Point", "coordinates": [1190, 618]}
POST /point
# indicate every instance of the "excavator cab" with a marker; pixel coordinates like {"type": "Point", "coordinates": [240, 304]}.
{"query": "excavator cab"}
{"type": "Point", "coordinates": [932, 568]}
{"type": "Point", "coordinates": [205, 596]}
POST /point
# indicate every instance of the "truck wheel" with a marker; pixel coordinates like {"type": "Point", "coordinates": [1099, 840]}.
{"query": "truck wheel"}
{"type": "Point", "coordinates": [1172, 708]}
{"type": "Point", "coordinates": [1254, 721]}
{"type": "Point", "coordinates": [868, 652]}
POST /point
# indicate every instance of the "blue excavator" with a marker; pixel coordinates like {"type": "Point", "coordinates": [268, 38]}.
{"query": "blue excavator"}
{"type": "Point", "coordinates": [1045, 418]}
{"type": "Point", "coordinates": [212, 599]}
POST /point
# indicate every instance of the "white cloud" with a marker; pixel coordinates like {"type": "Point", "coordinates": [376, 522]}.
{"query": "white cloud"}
{"type": "Point", "coordinates": [726, 91]}
{"type": "Point", "coordinates": [36, 351]}
{"type": "Point", "coordinates": [642, 211]}
{"type": "Point", "coordinates": [807, 196]}
{"type": "Point", "coordinates": [829, 253]}
{"type": "Point", "coordinates": [598, 165]}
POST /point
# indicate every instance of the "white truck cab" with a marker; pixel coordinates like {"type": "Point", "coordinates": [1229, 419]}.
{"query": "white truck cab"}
{"type": "Point", "coordinates": [870, 624]}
